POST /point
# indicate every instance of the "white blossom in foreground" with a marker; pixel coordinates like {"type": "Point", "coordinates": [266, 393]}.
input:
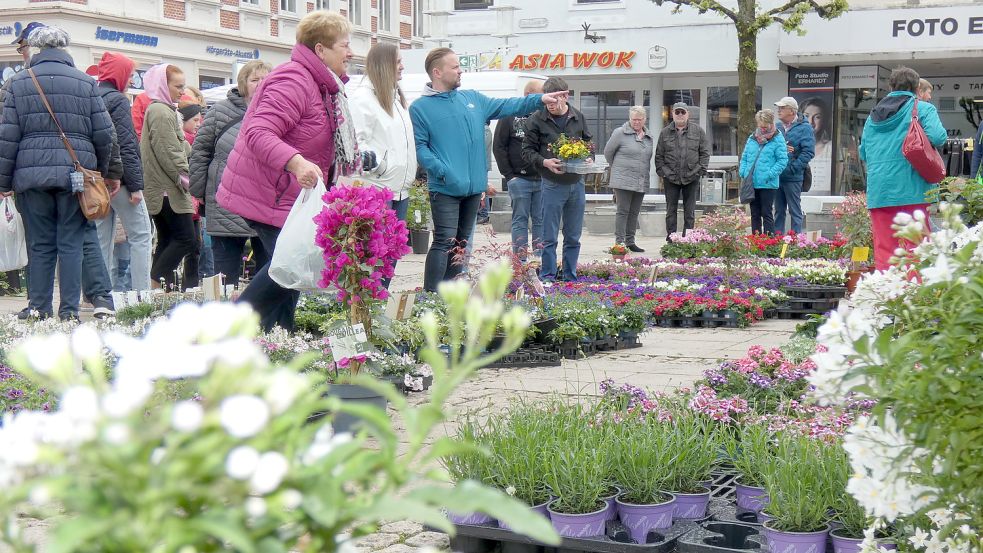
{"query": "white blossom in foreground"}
{"type": "Point", "coordinates": [243, 416]}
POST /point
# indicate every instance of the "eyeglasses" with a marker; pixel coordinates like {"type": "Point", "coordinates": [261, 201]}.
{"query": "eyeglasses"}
{"type": "Point", "coordinates": [22, 48]}
{"type": "Point", "coordinates": [680, 112]}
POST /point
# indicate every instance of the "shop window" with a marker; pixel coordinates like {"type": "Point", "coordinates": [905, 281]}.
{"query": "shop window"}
{"type": "Point", "coordinates": [386, 15]}
{"type": "Point", "coordinates": [472, 4]}
{"type": "Point", "coordinates": [207, 81]}
{"type": "Point", "coordinates": [251, 2]}
{"type": "Point", "coordinates": [604, 112]}
{"type": "Point", "coordinates": [288, 6]}
{"type": "Point", "coordinates": [722, 115]}
{"type": "Point", "coordinates": [355, 11]}
{"type": "Point", "coordinates": [418, 9]}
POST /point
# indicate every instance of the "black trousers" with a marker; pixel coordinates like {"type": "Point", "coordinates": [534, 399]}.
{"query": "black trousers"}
{"type": "Point", "coordinates": [175, 240]}
{"type": "Point", "coordinates": [275, 304]}
{"type": "Point", "coordinates": [673, 193]}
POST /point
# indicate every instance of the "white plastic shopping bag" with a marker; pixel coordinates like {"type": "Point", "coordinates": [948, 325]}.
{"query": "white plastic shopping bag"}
{"type": "Point", "coordinates": [13, 242]}
{"type": "Point", "coordinates": [297, 261]}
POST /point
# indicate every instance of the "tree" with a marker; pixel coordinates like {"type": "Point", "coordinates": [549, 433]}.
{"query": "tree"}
{"type": "Point", "coordinates": [749, 22]}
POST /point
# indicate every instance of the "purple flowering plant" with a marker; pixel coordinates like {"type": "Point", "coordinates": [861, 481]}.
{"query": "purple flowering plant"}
{"type": "Point", "coordinates": [18, 393]}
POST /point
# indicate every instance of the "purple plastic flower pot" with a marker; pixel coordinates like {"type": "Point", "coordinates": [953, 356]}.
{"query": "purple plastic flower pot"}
{"type": "Point", "coordinates": [640, 519]}
{"type": "Point", "coordinates": [471, 518]}
{"type": "Point", "coordinates": [587, 525]}
{"type": "Point", "coordinates": [691, 505]}
{"type": "Point", "coordinates": [612, 512]}
{"type": "Point", "coordinates": [764, 517]}
{"type": "Point", "coordinates": [538, 509]}
{"type": "Point", "coordinates": [843, 544]}
{"type": "Point", "coordinates": [750, 498]}
{"type": "Point", "coordinates": [795, 542]}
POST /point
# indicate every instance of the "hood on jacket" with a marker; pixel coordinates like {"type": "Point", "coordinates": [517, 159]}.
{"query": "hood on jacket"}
{"type": "Point", "coordinates": [323, 76]}
{"type": "Point", "coordinates": [155, 84]}
{"type": "Point", "coordinates": [799, 120]}
{"type": "Point", "coordinates": [428, 90]}
{"type": "Point", "coordinates": [116, 69]}
{"type": "Point", "coordinates": [236, 98]}
{"type": "Point", "coordinates": [628, 130]}
{"type": "Point", "coordinates": [890, 106]}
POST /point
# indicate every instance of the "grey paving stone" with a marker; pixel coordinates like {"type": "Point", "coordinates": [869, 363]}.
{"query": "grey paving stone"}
{"type": "Point", "coordinates": [435, 540]}
{"type": "Point", "coordinates": [404, 528]}
{"type": "Point", "coordinates": [375, 542]}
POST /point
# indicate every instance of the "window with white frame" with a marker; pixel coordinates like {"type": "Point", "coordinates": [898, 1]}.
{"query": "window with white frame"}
{"type": "Point", "coordinates": [386, 15]}
{"type": "Point", "coordinates": [321, 4]}
{"type": "Point", "coordinates": [251, 2]}
{"type": "Point", "coordinates": [472, 4]}
{"type": "Point", "coordinates": [418, 8]}
{"type": "Point", "coordinates": [355, 11]}
{"type": "Point", "coordinates": [288, 6]}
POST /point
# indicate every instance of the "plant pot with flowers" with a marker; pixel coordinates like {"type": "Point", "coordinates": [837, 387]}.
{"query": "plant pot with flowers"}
{"type": "Point", "coordinates": [578, 462]}
{"type": "Point", "coordinates": [748, 448]}
{"type": "Point", "coordinates": [798, 491]}
{"type": "Point", "coordinates": [574, 152]}
{"type": "Point", "coordinates": [697, 445]}
{"type": "Point", "coordinates": [362, 240]}
{"type": "Point", "coordinates": [418, 217]}
{"type": "Point", "coordinates": [853, 219]}
{"type": "Point", "coordinates": [618, 252]}
{"type": "Point", "coordinates": [473, 465]}
{"type": "Point", "coordinates": [646, 458]}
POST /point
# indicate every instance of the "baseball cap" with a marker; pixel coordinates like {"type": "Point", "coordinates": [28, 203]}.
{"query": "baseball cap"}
{"type": "Point", "coordinates": [22, 37]}
{"type": "Point", "coordinates": [680, 105]}
{"type": "Point", "coordinates": [788, 102]}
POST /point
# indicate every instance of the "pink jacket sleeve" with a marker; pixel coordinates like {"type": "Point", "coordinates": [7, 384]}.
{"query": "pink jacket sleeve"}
{"type": "Point", "coordinates": [278, 110]}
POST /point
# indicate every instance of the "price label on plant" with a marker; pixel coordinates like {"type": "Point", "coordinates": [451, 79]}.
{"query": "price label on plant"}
{"type": "Point", "coordinates": [784, 250]}
{"type": "Point", "coordinates": [348, 341]}
{"type": "Point", "coordinates": [400, 306]}
{"type": "Point", "coordinates": [417, 215]}
{"type": "Point", "coordinates": [860, 254]}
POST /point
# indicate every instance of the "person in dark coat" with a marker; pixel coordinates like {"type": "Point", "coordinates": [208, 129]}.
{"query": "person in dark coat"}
{"type": "Point", "coordinates": [114, 73]}
{"type": "Point", "coordinates": [682, 156]}
{"type": "Point", "coordinates": [801, 147]}
{"type": "Point", "coordinates": [35, 164]}
{"type": "Point", "coordinates": [209, 153]}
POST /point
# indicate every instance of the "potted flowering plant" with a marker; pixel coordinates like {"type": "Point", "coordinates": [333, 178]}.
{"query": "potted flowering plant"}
{"type": "Point", "coordinates": [797, 485]}
{"type": "Point", "coordinates": [418, 217]}
{"type": "Point", "coordinates": [618, 252]}
{"type": "Point", "coordinates": [697, 447]}
{"type": "Point", "coordinates": [854, 221]}
{"type": "Point", "coordinates": [574, 152]}
{"type": "Point", "coordinates": [362, 240]}
{"type": "Point", "coordinates": [645, 464]}
{"type": "Point", "coordinates": [748, 448]}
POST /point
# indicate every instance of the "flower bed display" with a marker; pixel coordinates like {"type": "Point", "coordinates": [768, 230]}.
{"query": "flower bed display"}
{"type": "Point", "coordinates": [699, 243]}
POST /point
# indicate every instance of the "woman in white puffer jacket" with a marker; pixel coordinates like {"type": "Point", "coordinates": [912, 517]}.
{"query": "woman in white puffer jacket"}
{"type": "Point", "coordinates": [382, 124]}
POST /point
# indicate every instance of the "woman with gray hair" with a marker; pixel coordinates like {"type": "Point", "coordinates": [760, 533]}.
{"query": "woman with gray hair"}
{"type": "Point", "coordinates": [629, 152]}
{"type": "Point", "coordinates": [765, 157]}
{"type": "Point", "coordinates": [35, 163]}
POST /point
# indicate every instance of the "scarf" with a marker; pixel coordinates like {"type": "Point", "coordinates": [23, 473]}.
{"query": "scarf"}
{"type": "Point", "coordinates": [762, 137]}
{"type": "Point", "coordinates": [345, 145]}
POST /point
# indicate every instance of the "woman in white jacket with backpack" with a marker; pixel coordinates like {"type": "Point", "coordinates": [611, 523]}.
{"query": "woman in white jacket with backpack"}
{"type": "Point", "coordinates": [382, 125]}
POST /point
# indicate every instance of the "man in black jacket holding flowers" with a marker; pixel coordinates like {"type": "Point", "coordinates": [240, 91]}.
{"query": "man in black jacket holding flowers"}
{"type": "Point", "coordinates": [563, 193]}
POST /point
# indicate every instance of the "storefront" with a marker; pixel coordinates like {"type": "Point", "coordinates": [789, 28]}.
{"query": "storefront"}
{"type": "Point", "coordinates": [858, 50]}
{"type": "Point", "coordinates": [208, 60]}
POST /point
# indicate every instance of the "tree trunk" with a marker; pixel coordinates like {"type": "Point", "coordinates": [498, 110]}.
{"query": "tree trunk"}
{"type": "Point", "coordinates": [747, 72]}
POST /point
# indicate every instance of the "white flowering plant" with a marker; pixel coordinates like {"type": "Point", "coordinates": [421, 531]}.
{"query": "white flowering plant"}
{"type": "Point", "coordinates": [241, 467]}
{"type": "Point", "coordinates": [911, 342]}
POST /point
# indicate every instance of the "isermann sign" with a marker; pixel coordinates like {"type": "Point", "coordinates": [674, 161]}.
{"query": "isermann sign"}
{"type": "Point", "coordinates": [577, 60]}
{"type": "Point", "coordinates": [936, 26]}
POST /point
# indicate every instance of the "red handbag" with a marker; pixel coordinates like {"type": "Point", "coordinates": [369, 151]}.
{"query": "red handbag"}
{"type": "Point", "coordinates": [920, 153]}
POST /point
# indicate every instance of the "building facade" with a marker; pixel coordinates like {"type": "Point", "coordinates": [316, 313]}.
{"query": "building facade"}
{"type": "Point", "coordinates": [619, 53]}
{"type": "Point", "coordinates": [208, 39]}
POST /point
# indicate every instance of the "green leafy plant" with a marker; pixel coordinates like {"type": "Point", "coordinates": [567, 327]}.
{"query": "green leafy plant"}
{"type": "Point", "coordinates": [132, 313]}
{"type": "Point", "coordinates": [646, 460]}
{"type": "Point", "coordinates": [242, 467]}
{"type": "Point", "coordinates": [418, 211]}
{"type": "Point", "coordinates": [967, 193]}
{"type": "Point", "coordinates": [567, 331]}
{"type": "Point", "coordinates": [848, 511]}
{"type": "Point", "coordinates": [797, 484]}
{"type": "Point", "coordinates": [748, 447]}
{"type": "Point", "coordinates": [519, 459]}
{"type": "Point", "coordinates": [578, 459]}
{"type": "Point", "coordinates": [697, 446]}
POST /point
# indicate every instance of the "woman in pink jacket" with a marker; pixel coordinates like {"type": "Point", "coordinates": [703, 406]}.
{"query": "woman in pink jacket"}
{"type": "Point", "coordinates": [297, 129]}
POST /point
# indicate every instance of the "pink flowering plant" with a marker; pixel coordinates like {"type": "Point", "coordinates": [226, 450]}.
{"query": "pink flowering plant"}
{"type": "Point", "coordinates": [362, 240]}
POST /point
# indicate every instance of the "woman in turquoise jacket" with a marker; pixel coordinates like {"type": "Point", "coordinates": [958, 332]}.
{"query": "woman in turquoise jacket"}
{"type": "Point", "coordinates": [893, 185]}
{"type": "Point", "coordinates": [769, 166]}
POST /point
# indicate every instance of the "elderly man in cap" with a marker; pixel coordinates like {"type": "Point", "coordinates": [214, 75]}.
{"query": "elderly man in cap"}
{"type": "Point", "coordinates": [682, 156]}
{"type": "Point", "coordinates": [24, 50]}
{"type": "Point", "coordinates": [801, 144]}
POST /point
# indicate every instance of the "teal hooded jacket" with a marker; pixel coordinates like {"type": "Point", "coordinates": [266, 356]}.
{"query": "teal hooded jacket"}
{"type": "Point", "coordinates": [774, 158]}
{"type": "Point", "coordinates": [891, 180]}
{"type": "Point", "coordinates": [449, 131]}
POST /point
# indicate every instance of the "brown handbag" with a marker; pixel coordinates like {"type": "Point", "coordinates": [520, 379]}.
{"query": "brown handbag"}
{"type": "Point", "coordinates": [94, 198]}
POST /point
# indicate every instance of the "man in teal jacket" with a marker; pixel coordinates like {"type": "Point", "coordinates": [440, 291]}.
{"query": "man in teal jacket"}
{"type": "Point", "coordinates": [893, 185]}
{"type": "Point", "coordinates": [449, 130]}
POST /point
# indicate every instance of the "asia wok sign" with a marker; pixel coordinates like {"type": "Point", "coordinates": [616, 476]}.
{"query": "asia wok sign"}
{"type": "Point", "coordinates": [576, 60]}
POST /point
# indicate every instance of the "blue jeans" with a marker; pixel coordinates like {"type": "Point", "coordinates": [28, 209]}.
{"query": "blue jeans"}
{"type": "Point", "coordinates": [564, 202]}
{"type": "Point", "coordinates": [789, 196]}
{"type": "Point", "coordinates": [122, 280]}
{"type": "Point", "coordinates": [400, 207]}
{"type": "Point", "coordinates": [55, 232]}
{"type": "Point", "coordinates": [453, 222]}
{"type": "Point", "coordinates": [206, 261]}
{"type": "Point", "coordinates": [136, 223]}
{"type": "Point", "coordinates": [96, 284]}
{"type": "Point", "coordinates": [275, 304]}
{"type": "Point", "coordinates": [527, 203]}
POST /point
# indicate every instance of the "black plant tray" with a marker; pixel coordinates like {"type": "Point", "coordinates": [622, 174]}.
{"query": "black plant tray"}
{"type": "Point", "coordinates": [629, 343]}
{"type": "Point", "coordinates": [697, 322]}
{"type": "Point", "coordinates": [722, 487]}
{"type": "Point", "coordinates": [792, 313]}
{"type": "Point", "coordinates": [820, 305]}
{"type": "Point", "coordinates": [732, 513]}
{"type": "Point", "coordinates": [722, 537]}
{"type": "Point", "coordinates": [492, 539]}
{"type": "Point", "coordinates": [540, 356]}
{"type": "Point", "coordinates": [816, 292]}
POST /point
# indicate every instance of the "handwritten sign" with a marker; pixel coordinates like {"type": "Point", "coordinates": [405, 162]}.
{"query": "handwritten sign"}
{"type": "Point", "coordinates": [348, 341]}
{"type": "Point", "coordinates": [400, 306]}
{"type": "Point", "coordinates": [860, 255]}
